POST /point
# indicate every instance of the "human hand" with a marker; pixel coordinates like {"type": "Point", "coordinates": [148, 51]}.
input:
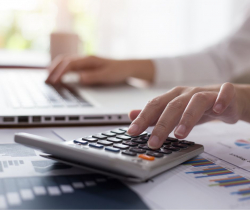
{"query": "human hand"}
{"type": "Point", "coordinates": [95, 70]}
{"type": "Point", "coordinates": [184, 107]}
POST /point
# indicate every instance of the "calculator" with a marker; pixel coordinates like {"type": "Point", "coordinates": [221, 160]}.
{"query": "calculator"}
{"type": "Point", "coordinates": [115, 153]}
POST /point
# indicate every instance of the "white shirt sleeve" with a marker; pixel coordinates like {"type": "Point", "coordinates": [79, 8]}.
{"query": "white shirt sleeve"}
{"type": "Point", "coordinates": [220, 63]}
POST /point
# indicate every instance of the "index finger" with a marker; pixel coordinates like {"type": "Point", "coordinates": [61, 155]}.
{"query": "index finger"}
{"type": "Point", "coordinates": [54, 65]}
{"type": "Point", "coordinates": [66, 65]}
{"type": "Point", "coordinates": [168, 120]}
{"type": "Point", "coordinates": [152, 112]}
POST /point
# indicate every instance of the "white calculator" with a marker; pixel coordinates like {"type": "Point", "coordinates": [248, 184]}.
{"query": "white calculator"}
{"type": "Point", "coordinates": [115, 153]}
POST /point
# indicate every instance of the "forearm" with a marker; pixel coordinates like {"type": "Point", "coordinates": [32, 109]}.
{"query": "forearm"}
{"type": "Point", "coordinates": [141, 69]}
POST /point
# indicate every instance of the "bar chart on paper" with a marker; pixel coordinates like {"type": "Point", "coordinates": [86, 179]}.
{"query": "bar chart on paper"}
{"type": "Point", "coordinates": [219, 181]}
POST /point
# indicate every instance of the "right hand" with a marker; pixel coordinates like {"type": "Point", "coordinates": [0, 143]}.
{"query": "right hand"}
{"type": "Point", "coordinates": [95, 70]}
{"type": "Point", "coordinates": [181, 108]}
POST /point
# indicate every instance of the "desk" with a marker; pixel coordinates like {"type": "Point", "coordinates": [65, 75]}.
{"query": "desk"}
{"type": "Point", "coordinates": [176, 188]}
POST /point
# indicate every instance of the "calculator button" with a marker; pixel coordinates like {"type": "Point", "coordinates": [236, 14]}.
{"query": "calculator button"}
{"type": "Point", "coordinates": [127, 152]}
{"type": "Point", "coordinates": [183, 146]}
{"type": "Point", "coordinates": [117, 131]}
{"type": "Point", "coordinates": [175, 149]}
{"type": "Point", "coordinates": [108, 134]}
{"type": "Point", "coordinates": [121, 146]}
{"type": "Point", "coordinates": [99, 146]}
{"type": "Point", "coordinates": [142, 134]}
{"type": "Point", "coordinates": [123, 137]}
{"type": "Point", "coordinates": [167, 142]}
{"type": "Point", "coordinates": [172, 139]}
{"type": "Point", "coordinates": [79, 141]}
{"type": "Point", "coordinates": [165, 151]}
{"type": "Point", "coordinates": [112, 149]}
{"type": "Point", "coordinates": [139, 141]}
{"type": "Point", "coordinates": [145, 138]}
{"type": "Point", "coordinates": [126, 134]}
{"type": "Point", "coordinates": [123, 129]}
{"type": "Point", "coordinates": [90, 139]}
{"type": "Point", "coordinates": [130, 143]}
{"type": "Point", "coordinates": [155, 154]}
{"type": "Point", "coordinates": [146, 157]}
{"type": "Point", "coordinates": [138, 150]}
{"type": "Point", "coordinates": [144, 146]}
{"type": "Point", "coordinates": [114, 140]}
{"type": "Point", "coordinates": [105, 143]}
{"type": "Point", "coordinates": [99, 136]}
{"type": "Point", "coordinates": [190, 143]}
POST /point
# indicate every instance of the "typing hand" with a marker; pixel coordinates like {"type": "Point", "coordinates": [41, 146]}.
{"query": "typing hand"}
{"type": "Point", "coordinates": [95, 71]}
{"type": "Point", "coordinates": [184, 107]}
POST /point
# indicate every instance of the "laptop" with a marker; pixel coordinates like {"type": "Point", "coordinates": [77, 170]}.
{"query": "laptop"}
{"type": "Point", "coordinates": [27, 100]}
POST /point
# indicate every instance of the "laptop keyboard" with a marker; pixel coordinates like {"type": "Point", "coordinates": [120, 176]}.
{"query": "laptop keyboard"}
{"type": "Point", "coordinates": [28, 90]}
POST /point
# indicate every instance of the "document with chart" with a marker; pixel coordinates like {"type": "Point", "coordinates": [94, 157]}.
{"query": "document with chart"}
{"type": "Point", "coordinates": [218, 178]}
{"type": "Point", "coordinates": [231, 143]}
{"type": "Point", "coordinates": [210, 181]}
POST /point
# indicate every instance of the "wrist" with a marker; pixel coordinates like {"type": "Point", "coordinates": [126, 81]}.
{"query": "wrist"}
{"type": "Point", "coordinates": [141, 69]}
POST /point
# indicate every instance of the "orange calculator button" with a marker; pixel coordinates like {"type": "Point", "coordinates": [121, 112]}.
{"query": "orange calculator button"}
{"type": "Point", "coordinates": [146, 157]}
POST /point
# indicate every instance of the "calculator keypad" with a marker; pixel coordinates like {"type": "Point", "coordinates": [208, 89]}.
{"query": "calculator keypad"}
{"type": "Point", "coordinates": [119, 141]}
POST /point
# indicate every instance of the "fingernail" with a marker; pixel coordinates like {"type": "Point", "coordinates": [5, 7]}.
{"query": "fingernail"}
{"type": "Point", "coordinates": [133, 129]}
{"type": "Point", "coordinates": [180, 130]}
{"type": "Point", "coordinates": [218, 108]}
{"type": "Point", "coordinates": [154, 142]}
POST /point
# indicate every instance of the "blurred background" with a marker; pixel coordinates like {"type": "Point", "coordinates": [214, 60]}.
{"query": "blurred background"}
{"type": "Point", "coordinates": [114, 28]}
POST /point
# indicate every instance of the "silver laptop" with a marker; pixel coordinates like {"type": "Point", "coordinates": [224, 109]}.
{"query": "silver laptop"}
{"type": "Point", "coordinates": [26, 100]}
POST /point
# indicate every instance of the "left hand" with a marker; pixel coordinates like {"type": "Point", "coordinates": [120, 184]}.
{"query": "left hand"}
{"type": "Point", "coordinates": [184, 107]}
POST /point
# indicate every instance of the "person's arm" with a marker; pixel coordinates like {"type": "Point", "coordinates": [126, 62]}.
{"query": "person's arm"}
{"type": "Point", "coordinates": [217, 64]}
{"type": "Point", "coordinates": [181, 108]}
{"type": "Point", "coordinates": [96, 70]}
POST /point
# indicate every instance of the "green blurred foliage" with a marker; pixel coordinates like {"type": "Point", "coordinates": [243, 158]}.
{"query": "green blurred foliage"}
{"type": "Point", "coordinates": [30, 29]}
